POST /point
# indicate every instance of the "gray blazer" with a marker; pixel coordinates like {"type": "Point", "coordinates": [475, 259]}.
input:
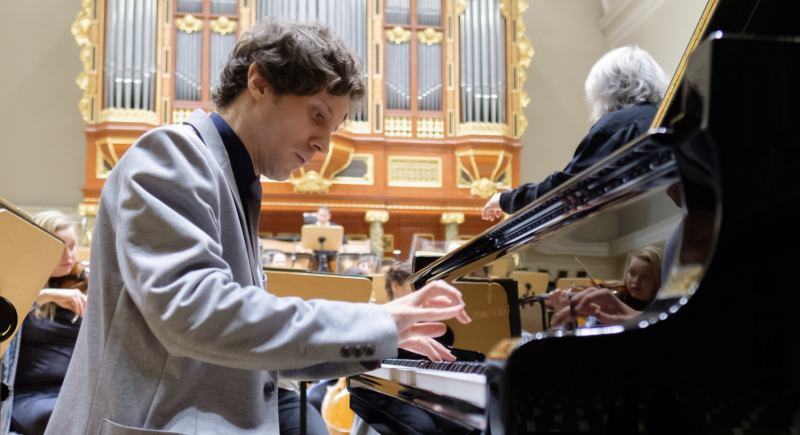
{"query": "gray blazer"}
{"type": "Point", "coordinates": [179, 335]}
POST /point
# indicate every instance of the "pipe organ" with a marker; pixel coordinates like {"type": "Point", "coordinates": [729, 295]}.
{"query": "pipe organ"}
{"type": "Point", "coordinates": [438, 131]}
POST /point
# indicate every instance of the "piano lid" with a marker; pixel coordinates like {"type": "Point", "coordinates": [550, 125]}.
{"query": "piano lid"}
{"type": "Point", "coordinates": [733, 18]}
{"type": "Point", "coordinates": [644, 164]}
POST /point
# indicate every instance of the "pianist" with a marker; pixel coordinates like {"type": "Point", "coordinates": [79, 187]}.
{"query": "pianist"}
{"type": "Point", "coordinates": [180, 335]}
{"type": "Point", "coordinates": [624, 89]}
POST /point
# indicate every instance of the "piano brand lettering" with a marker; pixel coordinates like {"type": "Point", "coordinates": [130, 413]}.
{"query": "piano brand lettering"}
{"type": "Point", "coordinates": [485, 314]}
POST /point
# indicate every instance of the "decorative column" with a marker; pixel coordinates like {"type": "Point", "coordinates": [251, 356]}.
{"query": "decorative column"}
{"type": "Point", "coordinates": [451, 221]}
{"type": "Point", "coordinates": [376, 219]}
{"type": "Point", "coordinates": [88, 212]}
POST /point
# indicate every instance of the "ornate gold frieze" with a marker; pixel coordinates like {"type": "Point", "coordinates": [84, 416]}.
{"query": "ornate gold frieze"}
{"type": "Point", "coordinates": [482, 128]}
{"type": "Point", "coordinates": [398, 35]}
{"type": "Point", "coordinates": [128, 115]}
{"type": "Point", "coordinates": [377, 206]}
{"type": "Point", "coordinates": [222, 26]}
{"type": "Point", "coordinates": [358, 127]}
{"type": "Point", "coordinates": [189, 24]}
{"type": "Point", "coordinates": [451, 218]}
{"type": "Point", "coordinates": [180, 115]}
{"type": "Point", "coordinates": [84, 29]}
{"type": "Point", "coordinates": [381, 216]}
{"type": "Point", "coordinates": [108, 152]}
{"type": "Point", "coordinates": [85, 209]}
{"type": "Point", "coordinates": [430, 127]}
{"type": "Point", "coordinates": [398, 126]}
{"type": "Point", "coordinates": [311, 182]}
{"type": "Point", "coordinates": [483, 188]}
{"type": "Point", "coordinates": [429, 36]}
{"type": "Point", "coordinates": [415, 171]}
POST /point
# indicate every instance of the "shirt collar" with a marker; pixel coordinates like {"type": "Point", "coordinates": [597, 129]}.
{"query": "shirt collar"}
{"type": "Point", "coordinates": [241, 163]}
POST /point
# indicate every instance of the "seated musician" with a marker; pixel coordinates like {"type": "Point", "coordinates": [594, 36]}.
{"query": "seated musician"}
{"type": "Point", "coordinates": [48, 336]}
{"type": "Point", "coordinates": [624, 89]}
{"type": "Point", "coordinates": [324, 217]}
{"type": "Point", "coordinates": [641, 285]}
{"type": "Point", "coordinates": [396, 276]}
{"type": "Point", "coordinates": [278, 260]}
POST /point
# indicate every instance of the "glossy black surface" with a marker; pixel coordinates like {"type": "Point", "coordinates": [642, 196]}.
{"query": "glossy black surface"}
{"type": "Point", "coordinates": [719, 351]}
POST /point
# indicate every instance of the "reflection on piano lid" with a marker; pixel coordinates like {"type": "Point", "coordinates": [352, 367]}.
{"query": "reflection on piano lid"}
{"type": "Point", "coordinates": [708, 356]}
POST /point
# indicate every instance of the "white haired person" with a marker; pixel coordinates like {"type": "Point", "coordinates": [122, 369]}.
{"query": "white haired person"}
{"type": "Point", "coordinates": [624, 89]}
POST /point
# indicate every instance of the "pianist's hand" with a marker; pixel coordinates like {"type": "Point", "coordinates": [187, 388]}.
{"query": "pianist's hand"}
{"type": "Point", "coordinates": [492, 210]}
{"type": "Point", "coordinates": [600, 303]}
{"type": "Point", "coordinates": [435, 302]}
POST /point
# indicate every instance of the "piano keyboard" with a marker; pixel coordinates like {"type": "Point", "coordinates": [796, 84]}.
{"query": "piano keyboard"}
{"type": "Point", "coordinates": [459, 380]}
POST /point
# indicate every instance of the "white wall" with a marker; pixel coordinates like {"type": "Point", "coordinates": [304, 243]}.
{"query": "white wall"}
{"type": "Point", "coordinates": [567, 42]}
{"type": "Point", "coordinates": [568, 36]}
{"type": "Point", "coordinates": [42, 146]}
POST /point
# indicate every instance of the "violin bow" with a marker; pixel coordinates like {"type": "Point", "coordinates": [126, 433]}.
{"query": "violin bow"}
{"type": "Point", "coordinates": [587, 271]}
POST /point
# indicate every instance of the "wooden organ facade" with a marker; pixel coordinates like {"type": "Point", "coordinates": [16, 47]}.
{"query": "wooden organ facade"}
{"type": "Point", "coordinates": [438, 132]}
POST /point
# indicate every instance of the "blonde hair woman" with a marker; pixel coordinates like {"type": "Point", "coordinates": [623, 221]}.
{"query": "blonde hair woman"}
{"type": "Point", "coordinates": [642, 279]}
{"type": "Point", "coordinates": [48, 336]}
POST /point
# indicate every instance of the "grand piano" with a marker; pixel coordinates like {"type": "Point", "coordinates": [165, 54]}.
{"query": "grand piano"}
{"type": "Point", "coordinates": [718, 352]}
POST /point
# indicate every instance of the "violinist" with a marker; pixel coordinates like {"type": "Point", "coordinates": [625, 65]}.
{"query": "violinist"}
{"type": "Point", "coordinates": [605, 306]}
{"type": "Point", "coordinates": [49, 333]}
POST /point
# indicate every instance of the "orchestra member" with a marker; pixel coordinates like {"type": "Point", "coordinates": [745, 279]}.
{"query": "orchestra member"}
{"type": "Point", "coordinates": [48, 335]}
{"type": "Point", "coordinates": [324, 216]}
{"type": "Point", "coordinates": [396, 276]}
{"type": "Point", "coordinates": [624, 89]}
{"type": "Point", "coordinates": [278, 260]}
{"type": "Point", "coordinates": [642, 282]}
{"type": "Point", "coordinates": [182, 335]}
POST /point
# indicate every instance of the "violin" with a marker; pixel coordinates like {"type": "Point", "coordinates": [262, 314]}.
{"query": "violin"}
{"type": "Point", "coordinates": [77, 278]}
{"type": "Point", "coordinates": [336, 412]}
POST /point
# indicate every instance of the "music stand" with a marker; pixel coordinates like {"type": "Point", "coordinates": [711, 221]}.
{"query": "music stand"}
{"type": "Point", "coordinates": [28, 255]}
{"type": "Point", "coordinates": [324, 241]}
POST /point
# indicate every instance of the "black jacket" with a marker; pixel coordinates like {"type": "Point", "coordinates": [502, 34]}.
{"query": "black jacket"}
{"type": "Point", "coordinates": [610, 133]}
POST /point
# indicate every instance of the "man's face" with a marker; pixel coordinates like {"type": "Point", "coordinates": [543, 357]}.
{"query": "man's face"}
{"type": "Point", "coordinates": [323, 217]}
{"type": "Point", "coordinates": [291, 129]}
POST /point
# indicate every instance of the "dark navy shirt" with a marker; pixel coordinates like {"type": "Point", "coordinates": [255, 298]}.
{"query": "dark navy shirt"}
{"type": "Point", "coordinates": [247, 182]}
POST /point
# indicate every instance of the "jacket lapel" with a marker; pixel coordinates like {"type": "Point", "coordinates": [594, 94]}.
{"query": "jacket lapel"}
{"type": "Point", "coordinates": [210, 136]}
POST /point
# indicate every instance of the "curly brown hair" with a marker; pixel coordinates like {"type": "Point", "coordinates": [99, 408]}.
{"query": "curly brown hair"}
{"type": "Point", "coordinates": [295, 59]}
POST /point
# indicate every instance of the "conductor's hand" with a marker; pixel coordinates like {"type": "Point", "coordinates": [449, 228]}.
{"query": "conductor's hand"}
{"type": "Point", "coordinates": [71, 299]}
{"type": "Point", "coordinates": [492, 210]}
{"type": "Point", "coordinates": [417, 318]}
{"type": "Point", "coordinates": [597, 302]}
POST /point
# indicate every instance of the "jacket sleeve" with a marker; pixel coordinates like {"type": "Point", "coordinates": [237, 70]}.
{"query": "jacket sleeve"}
{"type": "Point", "coordinates": [170, 256]}
{"type": "Point", "coordinates": [593, 147]}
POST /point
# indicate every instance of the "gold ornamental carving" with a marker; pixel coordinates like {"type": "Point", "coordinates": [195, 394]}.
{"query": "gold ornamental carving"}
{"type": "Point", "coordinates": [430, 37]}
{"type": "Point", "coordinates": [189, 24]}
{"type": "Point", "coordinates": [461, 6]}
{"type": "Point", "coordinates": [381, 216]}
{"type": "Point", "coordinates": [311, 182]}
{"type": "Point", "coordinates": [398, 35]}
{"type": "Point", "coordinates": [451, 218]}
{"type": "Point", "coordinates": [524, 99]}
{"type": "Point", "coordinates": [128, 115]}
{"type": "Point", "coordinates": [526, 52]}
{"type": "Point", "coordinates": [483, 188]}
{"type": "Point", "coordinates": [85, 209]}
{"type": "Point", "coordinates": [222, 26]}
{"type": "Point", "coordinates": [83, 29]}
{"type": "Point", "coordinates": [415, 171]}
{"type": "Point", "coordinates": [482, 128]}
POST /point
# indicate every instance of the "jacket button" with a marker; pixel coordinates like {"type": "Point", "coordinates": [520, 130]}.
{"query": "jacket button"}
{"type": "Point", "coordinates": [269, 388]}
{"type": "Point", "coordinates": [345, 352]}
{"type": "Point", "coordinates": [358, 351]}
{"type": "Point", "coordinates": [369, 349]}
